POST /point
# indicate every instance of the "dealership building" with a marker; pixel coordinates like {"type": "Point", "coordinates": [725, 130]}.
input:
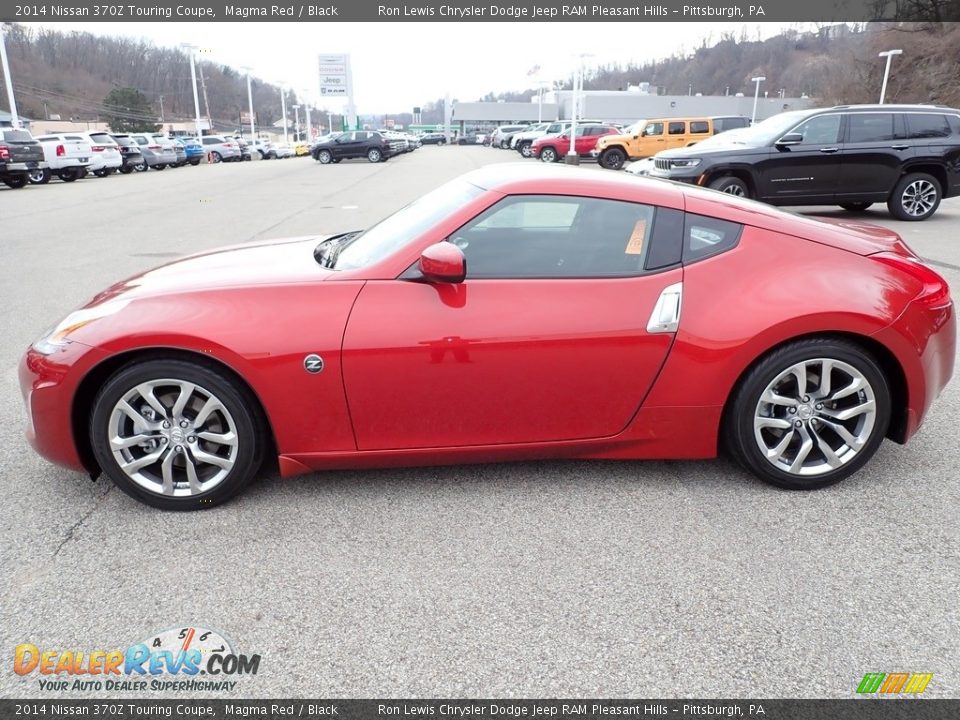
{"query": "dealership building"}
{"type": "Point", "coordinates": [620, 106]}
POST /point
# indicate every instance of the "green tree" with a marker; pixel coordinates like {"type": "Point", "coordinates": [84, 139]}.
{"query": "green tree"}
{"type": "Point", "coordinates": [128, 110]}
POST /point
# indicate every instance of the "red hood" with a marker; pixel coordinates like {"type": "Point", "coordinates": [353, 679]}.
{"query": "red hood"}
{"type": "Point", "coordinates": [264, 263]}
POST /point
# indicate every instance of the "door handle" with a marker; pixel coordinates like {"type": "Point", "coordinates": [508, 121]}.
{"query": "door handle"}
{"type": "Point", "coordinates": [899, 147]}
{"type": "Point", "coordinates": [665, 317]}
{"type": "Point", "coordinates": [829, 150]}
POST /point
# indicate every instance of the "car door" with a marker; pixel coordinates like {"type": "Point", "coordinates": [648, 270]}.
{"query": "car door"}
{"type": "Point", "coordinates": [872, 156]}
{"type": "Point", "coordinates": [545, 340]}
{"type": "Point", "coordinates": [808, 168]}
{"type": "Point", "coordinates": [587, 139]}
{"type": "Point", "coordinates": [344, 145]}
{"type": "Point", "coordinates": [676, 134]}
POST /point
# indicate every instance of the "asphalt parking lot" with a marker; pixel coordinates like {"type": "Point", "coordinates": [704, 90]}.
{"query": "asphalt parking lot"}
{"type": "Point", "coordinates": [596, 579]}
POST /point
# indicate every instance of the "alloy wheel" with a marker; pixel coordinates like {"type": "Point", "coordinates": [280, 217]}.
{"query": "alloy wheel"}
{"type": "Point", "coordinates": [919, 198]}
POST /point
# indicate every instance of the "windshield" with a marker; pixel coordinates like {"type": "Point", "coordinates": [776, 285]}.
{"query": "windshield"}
{"type": "Point", "coordinates": [635, 128]}
{"type": "Point", "coordinates": [764, 133]}
{"type": "Point", "coordinates": [393, 232]}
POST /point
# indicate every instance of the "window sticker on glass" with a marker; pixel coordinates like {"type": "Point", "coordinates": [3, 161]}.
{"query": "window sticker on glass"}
{"type": "Point", "coordinates": [635, 243]}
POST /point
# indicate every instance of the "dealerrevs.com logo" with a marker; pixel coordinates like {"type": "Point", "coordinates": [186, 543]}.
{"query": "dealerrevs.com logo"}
{"type": "Point", "coordinates": [902, 683]}
{"type": "Point", "coordinates": [196, 658]}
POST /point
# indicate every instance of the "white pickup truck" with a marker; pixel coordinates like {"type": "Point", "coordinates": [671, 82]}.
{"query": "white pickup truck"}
{"type": "Point", "coordinates": [68, 156]}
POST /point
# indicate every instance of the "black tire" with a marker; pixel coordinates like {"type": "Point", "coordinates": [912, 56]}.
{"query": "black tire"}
{"type": "Point", "coordinates": [856, 207]}
{"type": "Point", "coordinates": [374, 155]}
{"type": "Point", "coordinates": [15, 181]}
{"type": "Point", "coordinates": [325, 157]}
{"type": "Point", "coordinates": [103, 172]}
{"type": "Point", "coordinates": [250, 430]}
{"type": "Point", "coordinates": [613, 158]}
{"type": "Point", "coordinates": [916, 197]}
{"type": "Point", "coordinates": [216, 157]}
{"type": "Point", "coordinates": [161, 166]}
{"type": "Point", "coordinates": [549, 154]}
{"type": "Point", "coordinates": [741, 437]}
{"type": "Point", "coordinates": [141, 166]}
{"type": "Point", "coordinates": [39, 177]}
{"type": "Point", "coordinates": [525, 148]}
{"type": "Point", "coordinates": [126, 169]}
{"type": "Point", "coordinates": [195, 162]}
{"type": "Point", "coordinates": [442, 142]}
{"type": "Point", "coordinates": [336, 160]}
{"type": "Point", "coordinates": [731, 186]}
{"type": "Point", "coordinates": [69, 174]}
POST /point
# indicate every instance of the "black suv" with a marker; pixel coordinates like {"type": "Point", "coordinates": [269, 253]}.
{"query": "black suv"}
{"type": "Point", "coordinates": [354, 144]}
{"type": "Point", "coordinates": [907, 156]}
{"type": "Point", "coordinates": [20, 156]}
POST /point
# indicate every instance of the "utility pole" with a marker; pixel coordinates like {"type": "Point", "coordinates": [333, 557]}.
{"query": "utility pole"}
{"type": "Point", "coordinates": [161, 109]}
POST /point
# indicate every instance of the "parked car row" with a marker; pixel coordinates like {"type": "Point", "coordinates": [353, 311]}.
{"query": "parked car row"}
{"type": "Point", "coordinates": [374, 145]}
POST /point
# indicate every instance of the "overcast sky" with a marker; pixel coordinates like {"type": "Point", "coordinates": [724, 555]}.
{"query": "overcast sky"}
{"type": "Point", "coordinates": [399, 65]}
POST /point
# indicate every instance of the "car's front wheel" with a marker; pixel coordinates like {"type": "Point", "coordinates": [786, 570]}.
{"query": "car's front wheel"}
{"type": "Point", "coordinates": [39, 177]}
{"type": "Point", "coordinates": [324, 157]}
{"type": "Point", "coordinates": [526, 149]}
{"type": "Point", "coordinates": [809, 414]}
{"type": "Point", "coordinates": [15, 181]}
{"type": "Point", "coordinates": [548, 154]}
{"type": "Point", "coordinates": [176, 435]}
{"type": "Point", "coordinates": [916, 197]}
{"type": "Point", "coordinates": [216, 157]}
{"type": "Point", "coordinates": [612, 158]}
{"type": "Point", "coordinates": [141, 166]}
{"type": "Point", "coordinates": [374, 155]}
{"type": "Point", "coordinates": [731, 186]}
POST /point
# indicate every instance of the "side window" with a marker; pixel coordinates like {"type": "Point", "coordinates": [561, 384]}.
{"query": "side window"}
{"type": "Point", "coordinates": [543, 236]}
{"type": "Point", "coordinates": [869, 127]}
{"type": "Point", "coordinates": [699, 127]}
{"type": "Point", "coordinates": [209, 141]}
{"type": "Point", "coordinates": [705, 236]}
{"type": "Point", "coordinates": [927, 125]}
{"type": "Point", "coordinates": [677, 128]}
{"type": "Point", "coordinates": [821, 130]}
{"type": "Point", "coordinates": [954, 121]}
{"type": "Point", "coordinates": [653, 129]}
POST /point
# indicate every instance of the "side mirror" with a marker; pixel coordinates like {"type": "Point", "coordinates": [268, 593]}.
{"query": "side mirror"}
{"type": "Point", "coordinates": [443, 262]}
{"type": "Point", "coordinates": [790, 139]}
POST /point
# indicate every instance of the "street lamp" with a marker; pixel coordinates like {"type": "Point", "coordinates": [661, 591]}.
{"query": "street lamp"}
{"type": "Point", "coordinates": [296, 114]}
{"type": "Point", "coordinates": [306, 117]}
{"type": "Point", "coordinates": [193, 75]}
{"type": "Point", "coordinates": [14, 118]}
{"type": "Point", "coordinates": [572, 157]}
{"type": "Point", "coordinates": [253, 131]}
{"type": "Point", "coordinates": [886, 73]}
{"type": "Point", "coordinates": [283, 108]}
{"type": "Point", "coordinates": [756, 96]}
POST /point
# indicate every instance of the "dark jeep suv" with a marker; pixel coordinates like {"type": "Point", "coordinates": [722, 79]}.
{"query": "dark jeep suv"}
{"type": "Point", "coordinates": [907, 156]}
{"type": "Point", "coordinates": [372, 145]}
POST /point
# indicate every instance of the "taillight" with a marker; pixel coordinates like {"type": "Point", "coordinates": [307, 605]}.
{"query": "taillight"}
{"type": "Point", "coordinates": [61, 151]}
{"type": "Point", "coordinates": [154, 147]}
{"type": "Point", "coordinates": [4, 152]}
{"type": "Point", "coordinates": [228, 145]}
{"type": "Point", "coordinates": [97, 148]}
{"type": "Point", "coordinates": [935, 291]}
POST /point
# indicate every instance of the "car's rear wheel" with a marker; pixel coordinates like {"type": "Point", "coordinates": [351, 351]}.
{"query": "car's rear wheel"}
{"type": "Point", "coordinates": [101, 172]}
{"type": "Point", "coordinates": [324, 157]}
{"type": "Point", "coordinates": [69, 174]}
{"type": "Point", "coordinates": [15, 181]}
{"type": "Point", "coordinates": [39, 177]}
{"type": "Point", "coordinates": [195, 162]}
{"type": "Point", "coordinates": [809, 414]}
{"type": "Point", "coordinates": [612, 158]}
{"type": "Point", "coordinates": [856, 207]}
{"type": "Point", "coordinates": [216, 157]}
{"type": "Point", "coordinates": [176, 435]}
{"type": "Point", "coordinates": [526, 149]}
{"type": "Point", "coordinates": [141, 166]}
{"type": "Point", "coordinates": [126, 169]}
{"type": "Point", "coordinates": [916, 197]}
{"type": "Point", "coordinates": [374, 155]}
{"type": "Point", "coordinates": [731, 186]}
{"type": "Point", "coordinates": [548, 154]}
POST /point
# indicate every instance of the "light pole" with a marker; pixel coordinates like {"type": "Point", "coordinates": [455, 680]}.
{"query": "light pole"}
{"type": "Point", "coordinates": [572, 157]}
{"type": "Point", "coordinates": [14, 118]}
{"type": "Point", "coordinates": [253, 130]}
{"type": "Point", "coordinates": [543, 85]}
{"type": "Point", "coordinates": [296, 114]}
{"type": "Point", "coordinates": [886, 73]}
{"type": "Point", "coordinates": [306, 118]}
{"type": "Point", "coordinates": [756, 97]}
{"type": "Point", "coordinates": [283, 108]}
{"type": "Point", "coordinates": [196, 98]}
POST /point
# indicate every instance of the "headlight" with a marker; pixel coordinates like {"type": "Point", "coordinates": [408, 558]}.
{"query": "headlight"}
{"type": "Point", "coordinates": [684, 163]}
{"type": "Point", "coordinates": [55, 339]}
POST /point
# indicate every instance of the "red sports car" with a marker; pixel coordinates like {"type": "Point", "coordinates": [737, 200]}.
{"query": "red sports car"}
{"type": "Point", "coordinates": [551, 148]}
{"type": "Point", "coordinates": [514, 313]}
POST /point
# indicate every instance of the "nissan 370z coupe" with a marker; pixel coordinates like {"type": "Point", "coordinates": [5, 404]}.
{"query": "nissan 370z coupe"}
{"type": "Point", "coordinates": [513, 313]}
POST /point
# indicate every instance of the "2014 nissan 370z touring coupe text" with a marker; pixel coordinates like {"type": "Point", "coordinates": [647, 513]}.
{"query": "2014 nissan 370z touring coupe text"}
{"type": "Point", "coordinates": [512, 313]}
